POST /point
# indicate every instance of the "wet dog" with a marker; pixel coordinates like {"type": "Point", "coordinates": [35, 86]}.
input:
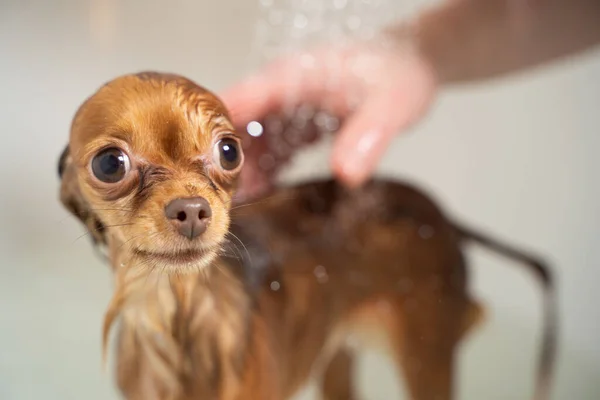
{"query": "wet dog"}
{"type": "Point", "coordinates": [226, 302]}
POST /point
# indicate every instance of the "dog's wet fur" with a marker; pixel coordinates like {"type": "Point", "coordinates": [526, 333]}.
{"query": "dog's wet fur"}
{"type": "Point", "coordinates": [271, 293]}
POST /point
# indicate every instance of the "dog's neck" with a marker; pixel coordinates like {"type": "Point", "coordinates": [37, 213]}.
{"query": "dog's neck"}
{"type": "Point", "coordinates": [180, 335]}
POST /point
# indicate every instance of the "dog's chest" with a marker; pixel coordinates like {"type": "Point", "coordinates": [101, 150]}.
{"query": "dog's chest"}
{"type": "Point", "coordinates": [182, 340]}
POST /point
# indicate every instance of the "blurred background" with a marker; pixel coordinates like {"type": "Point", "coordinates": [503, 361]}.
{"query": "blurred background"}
{"type": "Point", "coordinates": [515, 157]}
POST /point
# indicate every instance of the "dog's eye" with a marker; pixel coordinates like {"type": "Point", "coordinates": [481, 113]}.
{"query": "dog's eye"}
{"type": "Point", "coordinates": [227, 154]}
{"type": "Point", "coordinates": [110, 165]}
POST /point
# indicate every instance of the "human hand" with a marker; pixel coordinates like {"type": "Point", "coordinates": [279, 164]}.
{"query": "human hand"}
{"type": "Point", "coordinates": [375, 91]}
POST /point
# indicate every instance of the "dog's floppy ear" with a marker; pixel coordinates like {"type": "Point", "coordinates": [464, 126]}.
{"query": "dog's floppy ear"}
{"type": "Point", "coordinates": [72, 198]}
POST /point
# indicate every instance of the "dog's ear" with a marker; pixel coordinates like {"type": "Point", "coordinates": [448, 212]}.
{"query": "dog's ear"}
{"type": "Point", "coordinates": [73, 200]}
{"type": "Point", "coordinates": [62, 162]}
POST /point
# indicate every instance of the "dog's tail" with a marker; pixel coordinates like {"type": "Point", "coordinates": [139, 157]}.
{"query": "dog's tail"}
{"type": "Point", "coordinates": [547, 357]}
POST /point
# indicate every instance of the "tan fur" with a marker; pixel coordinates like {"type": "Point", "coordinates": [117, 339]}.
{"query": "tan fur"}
{"type": "Point", "coordinates": [274, 297]}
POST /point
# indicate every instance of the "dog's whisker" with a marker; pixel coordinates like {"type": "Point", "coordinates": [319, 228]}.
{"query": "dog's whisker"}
{"type": "Point", "coordinates": [114, 226]}
{"type": "Point", "coordinates": [262, 201]}
{"type": "Point", "coordinates": [103, 227]}
{"type": "Point", "coordinates": [243, 245]}
{"type": "Point", "coordinates": [111, 209]}
{"type": "Point", "coordinates": [249, 204]}
{"type": "Point", "coordinates": [147, 236]}
{"type": "Point", "coordinates": [130, 240]}
{"type": "Point", "coordinates": [237, 255]}
{"type": "Point", "coordinates": [81, 236]}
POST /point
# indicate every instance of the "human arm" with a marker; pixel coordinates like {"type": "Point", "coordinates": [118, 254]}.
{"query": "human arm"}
{"type": "Point", "coordinates": [458, 41]}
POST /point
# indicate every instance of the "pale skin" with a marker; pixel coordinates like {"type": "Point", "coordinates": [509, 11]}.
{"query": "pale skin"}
{"type": "Point", "coordinates": [385, 86]}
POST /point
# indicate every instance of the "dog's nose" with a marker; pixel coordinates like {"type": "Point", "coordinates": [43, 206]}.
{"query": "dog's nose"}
{"type": "Point", "coordinates": [190, 216]}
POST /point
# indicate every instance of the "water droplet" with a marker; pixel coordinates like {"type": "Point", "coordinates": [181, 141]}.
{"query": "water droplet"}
{"type": "Point", "coordinates": [321, 274]}
{"type": "Point", "coordinates": [358, 279]}
{"type": "Point", "coordinates": [292, 135]}
{"type": "Point", "coordinates": [335, 32]}
{"type": "Point", "coordinates": [300, 21]}
{"type": "Point", "coordinates": [353, 22]}
{"type": "Point", "coordinates": [415, 364]}
{"type": "Point", "coordinates": [332, 123]}
{"type": "Point", "coordinates": [266, 162]}
{"type": "Point", "coordinates": [299, 122]}
{"type": "Point", "coordinates": [366, 142]}
{"type": "Point", "coordinates": [159, 338]}
{"type": "Point", "coordinates": [368, 33]}
{"type": "Point", "coordinates": [405, 285]}
{"type": "Point", "coordinates": [280, 148]}
{"type": "Point", "coordinates": [305, 111]}
{"type": "Point", "coordinates": [122, 265]}
{"type": "Point", "coordinates": [254, 129]}
{"type": "Point", "coordinates": [352, 342]}
{"type": "Point", "coordinates": [339, 4]}
{"type": "Point", "coordinates": [276, 17]}
{"type": "Point", "coordinates": [275, 286]}
{"type": "Point", "coordinates": [307, 61]}
{"type": "Point", "coordinates": [384, 306]}
{"type": "Point", "coordinates": [274, 125]}
{"type": "Point", "coordinates": [426, 231]}
{"type": "Point", "coordinates": [411, 305]}
{"type": "Point", "coordinates": [321, 119]}
{"type": "Point", "coordinates": [326, 122]}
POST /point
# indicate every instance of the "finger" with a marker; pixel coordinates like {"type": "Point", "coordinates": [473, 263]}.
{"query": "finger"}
{"type": "Point", "coordinates": [252, 99]}
{"type": "Point", "coordinates": [367, 134]}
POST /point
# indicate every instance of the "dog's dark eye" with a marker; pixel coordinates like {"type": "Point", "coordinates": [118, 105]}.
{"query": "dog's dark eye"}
{"type": "Point", "coordinates": [110, 165]}
{"type": "Point", "coordinates": [227, 154]}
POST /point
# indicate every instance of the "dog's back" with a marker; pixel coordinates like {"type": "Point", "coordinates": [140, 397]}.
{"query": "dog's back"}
{"type": "Point", "coordinates": [329, 266]}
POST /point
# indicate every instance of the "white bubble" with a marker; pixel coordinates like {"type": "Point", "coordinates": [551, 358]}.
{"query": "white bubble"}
{"type": "Point", "coordinates": [275, 126]}
{"type": "Point", "coordinates": [321, 274]}
{"type": "Point", "coordinates": [254, 128]}
{"type": "Point", "coordinates": [159, 338]}
{"type": "Point", "coordinates": [411, 305]}
{"type": "Point", "coordinates": [321, 119]}
{"type": "Point", "coordinates": [300, 21]}
{"type": "Point", "coordinates": [366, 143]}
{"type": "Point", "coordinates": [307, 61]}
{"type": "Point", "coordinates": [353, 22]}
{"type": "Point", "coordinates": [405, 285]}
{"type": "Point", "coordinates": [275, 286]}
{"type": "Point", "coordinates": [266, 162]}
{"type": "Point", "coordinates": [426, 231]}
{"type": "Point", "coordinates": [368, 33]}
{"type": "Point", "coordinates": [384, 306]}
{"type": "Point", "coordinates": [352, 342]}
{"type": "Point", "coordinates": [332, 124]}
{"type": "Point", "coordinates": [339, 4]}
{"type": "Point", "coordinates": [276, 17]}
{"type": "Point", "coordinates": [416, 364]}
{"type": "Point", "coordinates": [299, 123]}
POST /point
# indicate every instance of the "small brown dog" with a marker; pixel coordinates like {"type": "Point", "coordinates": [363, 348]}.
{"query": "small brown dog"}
{"type": "Point", "coordinates": [251, 309]}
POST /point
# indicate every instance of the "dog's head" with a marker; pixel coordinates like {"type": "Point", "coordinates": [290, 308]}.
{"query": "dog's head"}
{"type": "Point", "coordinates": [150, 169]}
